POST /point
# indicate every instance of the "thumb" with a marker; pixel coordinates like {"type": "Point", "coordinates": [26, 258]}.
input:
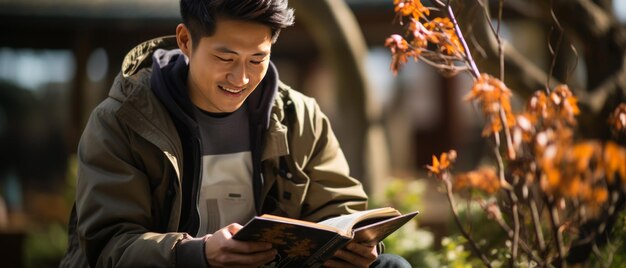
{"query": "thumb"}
{"type": "Point", "coordinates": [233, 228]}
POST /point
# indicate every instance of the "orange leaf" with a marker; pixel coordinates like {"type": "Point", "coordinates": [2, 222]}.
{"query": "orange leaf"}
{"type": "Point", "coordinates": [614, 161]}
{"type": "Point", "coordinates": [600, 195]}
{"type": "Point", "coordinates": [582, 154]}
{"type": "Point", "coordinates": [435, 166]}
{"type": "Point", "coordinates": [483, 179]}
{"type": "Point", "coordinates": [443, 163]}
{"type": "Point", "coordinates": [412, 8]}
{"type": "Point", "coordinates": [617, 120]}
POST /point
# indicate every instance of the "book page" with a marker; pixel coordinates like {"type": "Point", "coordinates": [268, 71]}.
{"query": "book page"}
{"type": "Point", "coordinates": [300, 222]}
{"type": "Point", "coordinates": [346, 222]}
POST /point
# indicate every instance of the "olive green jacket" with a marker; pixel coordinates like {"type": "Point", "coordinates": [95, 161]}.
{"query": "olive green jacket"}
{"type": "Point", "coordinates": [128, 199]}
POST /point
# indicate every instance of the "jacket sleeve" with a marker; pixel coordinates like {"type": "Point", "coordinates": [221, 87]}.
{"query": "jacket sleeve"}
{"type": "Point", "coordinates": [331, 190]}
{"type": "Point", "coordinates": [113, 200]}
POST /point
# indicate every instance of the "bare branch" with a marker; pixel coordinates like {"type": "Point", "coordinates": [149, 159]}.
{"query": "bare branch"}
{"type": "Point", "coordinates": [529, 77]}
{"type": "Point", "coordinates": [554, 52]}
{"type": "Point", "coordinates": [455, 213]}
{"type": "Point", "coordinates": [524, 245]}
{"type": "Point", "coordinates": [537, 224]}
{"type": "Point", "coordinates": [459, 33]}
{"type": "Point", "coordinates": [558, 236]}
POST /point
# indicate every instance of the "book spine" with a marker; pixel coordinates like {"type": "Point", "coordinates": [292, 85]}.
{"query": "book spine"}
{"type": "Point", "coordinates": [322, 254]}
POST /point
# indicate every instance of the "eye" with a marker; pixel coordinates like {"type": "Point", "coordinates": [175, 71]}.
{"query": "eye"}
{"type": "Point", "coordinates": [223, 59]}
{"type": "Point", "coordinates": [258, 60]}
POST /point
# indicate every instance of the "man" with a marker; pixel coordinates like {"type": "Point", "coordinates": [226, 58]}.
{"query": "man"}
{"type": "Point", "coordinates": [197, 136]}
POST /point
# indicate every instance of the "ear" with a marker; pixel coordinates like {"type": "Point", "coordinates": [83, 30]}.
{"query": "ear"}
{"type": "Point", "coordinates": [183, 38]}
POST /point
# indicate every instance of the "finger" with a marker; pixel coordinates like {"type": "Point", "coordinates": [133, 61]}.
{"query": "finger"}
{"type": "Point", "coordinates": [352, 258]}
{"type": "Point", "coordinates": [236, 246]}
{"type": "Point", "coordinates": [366, 251]}
{"type": "Point", "coordinates": [233, 228]}
{"type": "Point", "coordinates": [356, 259]}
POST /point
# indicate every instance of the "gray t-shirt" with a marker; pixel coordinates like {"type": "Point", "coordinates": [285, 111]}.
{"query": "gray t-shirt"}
{"type": "Point", "coordinates": [226, 193]}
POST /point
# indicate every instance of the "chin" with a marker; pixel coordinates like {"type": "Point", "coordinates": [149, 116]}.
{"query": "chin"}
{"type": "Point", "coordinates": [232, 109]}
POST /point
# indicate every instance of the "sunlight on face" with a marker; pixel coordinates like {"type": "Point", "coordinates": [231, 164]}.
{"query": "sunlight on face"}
{"type": "Point", "coordinates": [225, 68]}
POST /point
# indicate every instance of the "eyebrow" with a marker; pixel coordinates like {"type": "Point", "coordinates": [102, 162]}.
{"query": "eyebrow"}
{"type": "Point", "coordinates": [229, 51]}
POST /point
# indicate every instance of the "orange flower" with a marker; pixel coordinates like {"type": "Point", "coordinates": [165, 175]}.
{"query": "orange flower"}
{"type": "Point", "coordinates": [581, 155]}
{"type": "Point", "coordinates": [493, 95]}
{"type": "Point", "coordinates": [420, 35]}
{"type": "Point", "coordinates": [443, 34]}
{"type": "Point", "coordinates": [396, 44]}
{"type": "Point", "coordinates": [576, 171]}
{"type": "Point", "coordinates": [413, 8]}
{"type": "Point", "coordinates": [483, 179]}
{"type": "Point", "coordinates": [614, 161]}
{"type": "Point", "coordinates": [550, 179]}
{"type": "Point", "coordinates": [599, 196]}
{"type": "Point", "coordinates": [559, 109]}
{"type": "Point", "coordinates": [572, 187]}
{"type": "Point", "coordinates": [440, 25]}
{"type": "Point", "coordinates": [567, 103]}
{"type": "Point", "coordinates": [537, 107]}
{"type": "Point", "coordinates": [399, 50]}
{"type": "Point", "coordinates": [443, 163]}
{"type": "Point", "coordinates": [524, 129]}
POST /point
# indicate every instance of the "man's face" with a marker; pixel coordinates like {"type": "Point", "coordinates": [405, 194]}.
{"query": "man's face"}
{"type": "Point", "coordinates": [226, 67]}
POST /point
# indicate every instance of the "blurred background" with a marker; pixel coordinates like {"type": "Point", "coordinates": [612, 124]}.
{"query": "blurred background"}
{"type": "Point", "coordinates": [58, 59]}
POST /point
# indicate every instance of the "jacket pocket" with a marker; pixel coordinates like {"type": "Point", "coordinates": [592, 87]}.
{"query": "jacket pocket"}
{"type": "Point", "coordinates": [292, 187]}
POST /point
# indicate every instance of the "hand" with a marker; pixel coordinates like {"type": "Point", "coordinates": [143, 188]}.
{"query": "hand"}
{"type": "Point", "coordinates": [353, 255]}
{"type": "Point", "coordinates": [222, 251]}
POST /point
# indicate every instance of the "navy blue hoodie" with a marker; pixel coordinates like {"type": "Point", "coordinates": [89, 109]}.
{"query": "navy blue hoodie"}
{"type": "Point", "coordinates": [169, 83]}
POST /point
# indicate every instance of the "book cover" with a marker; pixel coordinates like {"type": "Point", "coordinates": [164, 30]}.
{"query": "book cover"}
{"type": "Point", "coordinates": [307, 244]}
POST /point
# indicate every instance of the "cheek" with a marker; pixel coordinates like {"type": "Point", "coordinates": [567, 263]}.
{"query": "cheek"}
{"type": "Point", "coordinates": [259, 72]}
{"type": "Point", "coordinates": [204, 75]}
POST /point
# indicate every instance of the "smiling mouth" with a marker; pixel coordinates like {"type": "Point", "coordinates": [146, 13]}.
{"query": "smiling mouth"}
{"type": "Point", "coordinates": [230, 90]}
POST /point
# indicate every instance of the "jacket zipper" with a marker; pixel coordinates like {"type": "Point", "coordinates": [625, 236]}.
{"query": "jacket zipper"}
{"type": "Point", "coordinates": [197, 180]}
{"type": "Point", "coordinates": [257, 175]}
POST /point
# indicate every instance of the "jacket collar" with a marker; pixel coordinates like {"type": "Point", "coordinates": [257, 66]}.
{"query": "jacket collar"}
{"type": "Point", "coordinates": [140, 108]}
{"type": "Point", "coordinates": [276, 143]}
{"type": "Point", "coordinates": [141, 56]}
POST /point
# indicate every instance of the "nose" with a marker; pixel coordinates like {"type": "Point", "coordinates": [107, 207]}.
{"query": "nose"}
{"type": "Point", "coordinates": [238, 76]}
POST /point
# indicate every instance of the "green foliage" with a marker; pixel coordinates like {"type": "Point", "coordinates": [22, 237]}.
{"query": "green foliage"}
{"type": "Point", "coordinates": [414, 244]}
{"type": "Point", "coordinates": [410, 242]}
{"type": "Point", "coordinates": [45, 246]}
{"type": "Point", "coordinates": [404, 194]}
{"type": "Point", "coordinates": [612, 254]}
{"type": "Point", "coordinates": [453, 253]}
{"type": "Point", "coordinates": [493, 241]}
{"type": "Point", "coordinates": [456, 253]}
{"type": "Point", "coordinates": [46, 243]}
{"type": "Point", "coordinates": [480, 226]}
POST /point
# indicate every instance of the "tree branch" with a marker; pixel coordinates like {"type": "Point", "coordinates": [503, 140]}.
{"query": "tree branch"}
{"type": "Point", "coordinates": [455, 213]}
{"type": "Point", "coordinates": [529, 77]}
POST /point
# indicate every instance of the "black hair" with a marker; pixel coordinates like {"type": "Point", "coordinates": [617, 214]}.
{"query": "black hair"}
{"type": "Point", "coordinates": [200, 16]}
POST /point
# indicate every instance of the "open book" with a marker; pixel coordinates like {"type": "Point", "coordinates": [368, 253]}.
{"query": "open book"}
{"type": "Point", "coordinates": [308, 244]}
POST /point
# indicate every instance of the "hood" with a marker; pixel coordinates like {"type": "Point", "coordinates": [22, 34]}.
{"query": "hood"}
{"type": "Point", "coordinates": [141, 55]}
